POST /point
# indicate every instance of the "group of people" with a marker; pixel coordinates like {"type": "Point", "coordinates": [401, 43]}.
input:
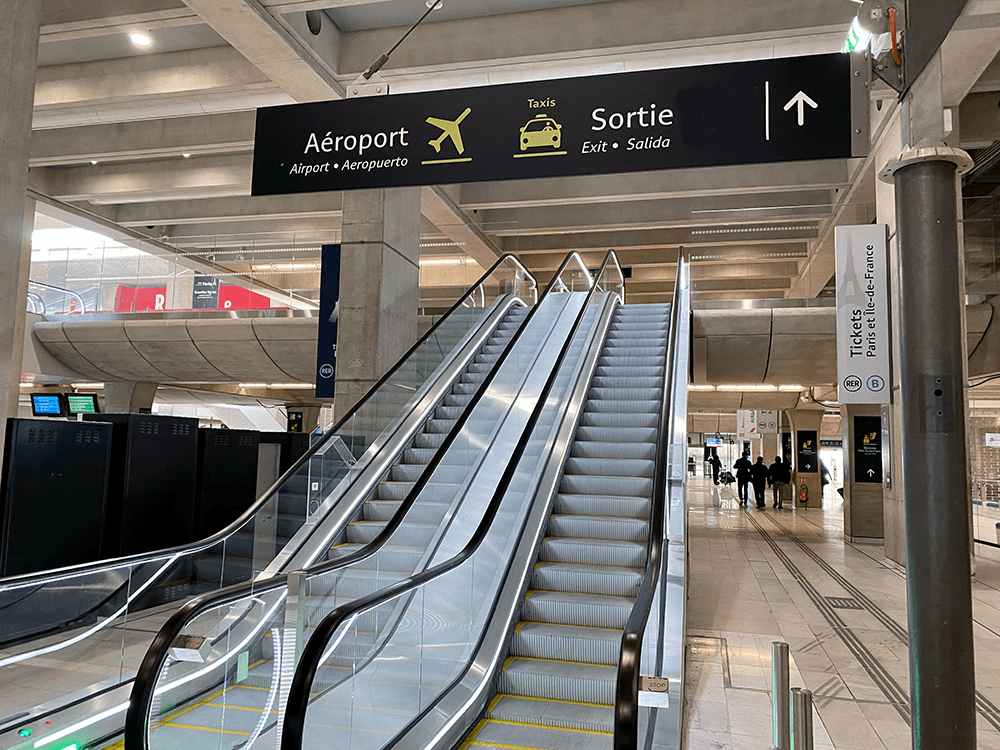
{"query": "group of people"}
{"type": "Point", "coordinates": [777, 476]}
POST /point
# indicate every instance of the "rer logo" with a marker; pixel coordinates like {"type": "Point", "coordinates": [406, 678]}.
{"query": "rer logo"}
{"type": "Point", "coordinates": [326, 371]}
{"type": "Point", "coordinates": [852, 383]}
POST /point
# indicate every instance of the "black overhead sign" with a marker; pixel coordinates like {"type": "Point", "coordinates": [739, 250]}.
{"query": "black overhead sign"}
{"type": "Point", "coordinates": [787, 109]}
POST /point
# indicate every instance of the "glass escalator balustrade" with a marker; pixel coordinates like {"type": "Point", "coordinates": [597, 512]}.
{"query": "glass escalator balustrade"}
{"type": "Point", "coordinates": [74, 640]}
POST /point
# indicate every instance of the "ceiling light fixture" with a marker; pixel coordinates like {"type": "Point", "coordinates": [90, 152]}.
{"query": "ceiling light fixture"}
{"type": "Point", "coordinates": [186, 156]}
{"type": "Point", "coordinates": [748, 387]}
{"type": "Point", "coordinates": [93, 161]}
{"type": "Point", "coordinates": [140, 40]}
{"type": "Point", "coordinates": [87, 386]}
{"type": "Point", "coordinates": [701, 387]}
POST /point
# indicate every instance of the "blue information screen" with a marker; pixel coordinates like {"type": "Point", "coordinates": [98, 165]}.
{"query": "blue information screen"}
{"type": "Point", "coordinates": [46, 405]}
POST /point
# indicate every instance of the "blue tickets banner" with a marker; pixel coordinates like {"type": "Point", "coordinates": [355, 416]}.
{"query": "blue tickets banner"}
{"type": "Point", "coordinates": [329, 311]}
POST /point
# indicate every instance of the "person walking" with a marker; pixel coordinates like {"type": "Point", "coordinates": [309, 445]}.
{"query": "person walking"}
{"type": "Point", "coordinates": [716, 464]}
{"type": "Point", "coordinates": [758, 477]}
{"type": "Point", "coordinates": [778, 477]}
{"type": "Point", "coordinates": [743, 467]}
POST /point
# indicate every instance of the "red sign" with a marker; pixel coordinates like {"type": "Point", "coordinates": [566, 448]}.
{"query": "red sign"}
{"type": "Point", "coordinates": [131, 299]}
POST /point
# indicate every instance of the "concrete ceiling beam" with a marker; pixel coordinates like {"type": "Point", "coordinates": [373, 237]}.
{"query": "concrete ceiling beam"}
{"type": "Point", "coordinates": [243, 209]}
{"type": "Point", "coordinates": [63, 20]}
{"type": "Point", "coordinates": [792, 177]}
{"type": "Point", "coordinates": [657, 240]}
{"type": "Point", "coordinates": [439, 207]}
{"type": "Point", "coordinates": [661, 214]}
{"type": "Point", "coordinates": [299, 68]}
{"type": "Point", "coordinates": [121, 182]}
{"type": "Point", "coordinates": [151, 87]}
{"type": "Point", "coordinates": [224, 133]}
{"type": "Point", "coordinates": [686, 35]}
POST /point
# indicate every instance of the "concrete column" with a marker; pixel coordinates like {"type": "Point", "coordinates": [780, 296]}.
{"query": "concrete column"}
{"type": "Point", "coordinates": [127, 397]}
{"type": "Point", "coordinates": [863, 502]}
{"type": "Point", "coordinates": [379, 288]}
{"type": "Point", "coordinates": [18, 53]}
{"type": "Point", "coordinates": [770, 447]}
{"type": "Point", "coordinates": [806, 421]}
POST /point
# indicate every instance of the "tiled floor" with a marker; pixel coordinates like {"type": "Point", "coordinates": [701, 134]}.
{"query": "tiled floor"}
{"type": "Point", "coordinates": [759, 576]}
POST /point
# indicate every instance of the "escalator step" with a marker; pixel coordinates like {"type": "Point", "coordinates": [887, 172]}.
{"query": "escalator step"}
{"type": "Point", "coordinates": [571, 642]}
{"type": "Point", "coordinates": [608, 552]}
{"type": "Point", "coordinates": [390, 557]}
{"type": "Point", "coordinates": [589, 717]}
{"type": "Point", "coordinates": [451, 413]}
{"type": "Point", "coordinates": [587, 484]}
{"type": "Point", "coordinates": [617, 433]}
{"type": "Point", "coordinates": [598, 419]}
{"type": "Point", "coordinates": [422, 511]}
{"type": "Point", "coordinates": [559, 680]}
{"type": "Point", "coordinates": [594, 579]}
{"type": "Point", "coordinates": [410, 534]}
{"type": "Point", "coordinates": [619, 406]}
{"type": "Point", "coordinates": [600, 527]}
{"type": "Point", "coordinates": [561, 608]}
{"type": "Point", "coordinates": [635, 381]}
{"type": "Point", "coordinates": [496, 735]}
{"type": "Point", "coordinates": [419, 455]}
{"type": "Point", "coordinates": [612, 467]}
{"type": "Point", "coordinates": [602, 505]}
{"type": "Point", "coordinates": [608, 449]}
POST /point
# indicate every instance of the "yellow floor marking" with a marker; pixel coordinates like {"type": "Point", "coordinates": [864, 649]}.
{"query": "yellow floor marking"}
{"type": "Point", "coordinates": [206, 729]}
{"type": "Point", "coordinates": [183, 711]}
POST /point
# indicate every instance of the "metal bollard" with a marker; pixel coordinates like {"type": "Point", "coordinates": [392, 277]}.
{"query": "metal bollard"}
{"type": "Point", "coordinates": [780, 728]}
{"type": "Point", "coordinates": [802, 719]}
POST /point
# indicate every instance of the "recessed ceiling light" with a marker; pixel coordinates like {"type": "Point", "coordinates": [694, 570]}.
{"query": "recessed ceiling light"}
{"type": "Point", "coordinates": [140, 40]}
{"type": "Point", "coordinates": [186, 156]}
{"type": "Point", "coordinates": [93, 161]}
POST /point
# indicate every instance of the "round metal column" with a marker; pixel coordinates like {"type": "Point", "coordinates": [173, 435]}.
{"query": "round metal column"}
{"type": "Point", "coordinates": [938, 582]}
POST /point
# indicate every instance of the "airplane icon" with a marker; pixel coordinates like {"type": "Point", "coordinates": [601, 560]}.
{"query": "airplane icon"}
{"type": "Point", "coordinates": [449, 129]}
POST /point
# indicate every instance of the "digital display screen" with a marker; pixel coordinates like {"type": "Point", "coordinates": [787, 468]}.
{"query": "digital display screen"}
{"type": "Point", "coordinates": [46, 405]}
{"type": "Point", "coordinates": [81, 403]}
{"type": "Point", "coordinates": [713, 442]}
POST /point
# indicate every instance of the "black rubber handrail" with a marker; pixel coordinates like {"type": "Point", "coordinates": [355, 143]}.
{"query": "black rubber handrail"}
{"type": "Point", "coordinates": [630, 654]}
{"type": "Point", "coordinates": [140, 702]}
{"type": "Point", "coordinates": [309, 661]}
{"type": "Point", "coordinates": [145, 557]}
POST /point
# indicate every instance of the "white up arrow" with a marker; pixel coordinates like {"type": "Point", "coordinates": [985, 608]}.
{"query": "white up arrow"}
{"type": "Point", "coordinates": [802, 100]}
{"type": "Point", "coordinates": [871, 472]}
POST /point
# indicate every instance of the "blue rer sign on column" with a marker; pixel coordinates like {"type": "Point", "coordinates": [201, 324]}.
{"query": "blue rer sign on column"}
{"type": "Point", "coordinates": [329, 312]}
{"type": "Point", "coordinates": [863, 354]}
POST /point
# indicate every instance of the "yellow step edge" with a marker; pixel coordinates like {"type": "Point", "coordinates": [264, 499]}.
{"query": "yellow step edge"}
{"type": "Point", "coordinates": [562, 661]}
{"type": "Point", "coordinates": [549, 700]}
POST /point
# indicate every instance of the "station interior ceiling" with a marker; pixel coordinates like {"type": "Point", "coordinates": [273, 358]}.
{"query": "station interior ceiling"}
{"type": "Point", "coordinates": [153, 144]}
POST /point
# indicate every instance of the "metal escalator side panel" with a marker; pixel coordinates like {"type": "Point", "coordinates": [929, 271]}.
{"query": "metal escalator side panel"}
{"type": "Point", "coordinates": [335, 512]}
{"type": "Point", "coordinates": [482, 446]}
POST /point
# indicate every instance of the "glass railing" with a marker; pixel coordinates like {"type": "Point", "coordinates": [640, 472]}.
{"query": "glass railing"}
{"type": "Point", "coordinates": [105, 614]}
{"type": "Point", "coordinates": [283, 608]}
{"type": "Point", "coordinates": [373, 667]}
{"type": "Point", "coordinates": [653, 639]}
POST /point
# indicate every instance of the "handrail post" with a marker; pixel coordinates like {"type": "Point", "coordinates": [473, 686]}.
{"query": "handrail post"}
{"type": "Point", "coordinates": [802, 719]}
{"type": "Point", "coordinates": [780, 728]}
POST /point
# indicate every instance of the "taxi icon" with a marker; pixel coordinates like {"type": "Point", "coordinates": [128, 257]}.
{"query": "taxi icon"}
{"type": "Point", "coordinates": [540, 132]}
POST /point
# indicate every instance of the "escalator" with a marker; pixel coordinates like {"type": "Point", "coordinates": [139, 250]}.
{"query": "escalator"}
{"type": "Point", "coordinates": [215, 670]}
{"type": "Point", "coordinates": [72, 640]}
{"type": "Point", "coordinates": [557, 688]}
{"type": "Point", "coordinates": [534, 633]}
